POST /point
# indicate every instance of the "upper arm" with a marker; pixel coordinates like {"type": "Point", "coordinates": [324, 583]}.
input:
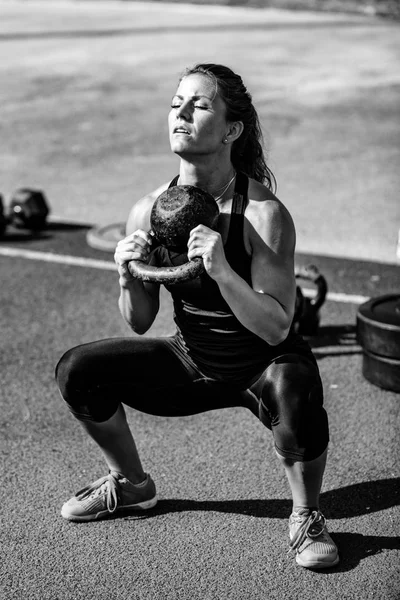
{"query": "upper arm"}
{"type": "Point", "coordinates": [139, 216]}
{"type": "Point", "coordinates": [272, 238]}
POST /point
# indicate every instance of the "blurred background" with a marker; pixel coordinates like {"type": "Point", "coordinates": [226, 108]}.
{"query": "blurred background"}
{"type": "Point", "coordinates": [85, 90]}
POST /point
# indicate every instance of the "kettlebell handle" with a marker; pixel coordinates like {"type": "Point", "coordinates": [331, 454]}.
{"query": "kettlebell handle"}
{"type": "Point", "coordinates": [169, 275]}
{"type": "Point", "coordinates": [311, 273]}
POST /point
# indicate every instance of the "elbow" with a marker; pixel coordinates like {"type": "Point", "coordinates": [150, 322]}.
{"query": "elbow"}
{"type": "Point", "coordinates": [278, 336]}
{"type": "Point", "coordinates": [282, 328]}
{"type": "Point", "coordinates": [139, 329]}
{"type": "Point", "coordinates": [276, 340]}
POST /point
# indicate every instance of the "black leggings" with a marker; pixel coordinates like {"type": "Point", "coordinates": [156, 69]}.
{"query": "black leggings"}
{"type": "Point", "coordinates": [154, 376]}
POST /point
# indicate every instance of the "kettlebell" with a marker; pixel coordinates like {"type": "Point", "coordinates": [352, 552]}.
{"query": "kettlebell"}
{"type": "Point", "coordinates": [174, 214]}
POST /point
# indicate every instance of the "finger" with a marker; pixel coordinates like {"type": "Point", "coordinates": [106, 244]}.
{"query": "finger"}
{"type": "Point", "coordinates": [133, 244]}
{"type": "Point", "coordinates": [145, 235]}
{"type": "Point", "coordinates": [203, 232]}
{"type": "Point", "coordinates": [124, 257]}
{"type": "Point", "coordinates": [195, 235]}
{"type": "Point", "coordinates": [195, 250]}
{"type": "Point", "coordinates": [137, 234]}
{"type": "Point", "coordinates": [202, 228]}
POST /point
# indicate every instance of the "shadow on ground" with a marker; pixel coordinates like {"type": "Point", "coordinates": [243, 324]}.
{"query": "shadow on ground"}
{"type": "Point", "coordinates": [354, 547]}
{"type": "Point", "coordinates": [13, 234]}
{"type": "Point", "coordinates": [343, 503]}
{"type": "Point", "coordinates": [335, 340]}
{"type": "Point", "coordinates": [347, 502]}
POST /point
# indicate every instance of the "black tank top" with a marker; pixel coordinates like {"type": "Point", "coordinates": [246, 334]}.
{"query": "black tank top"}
{"type": "Point", "coordinates": [207, 330]}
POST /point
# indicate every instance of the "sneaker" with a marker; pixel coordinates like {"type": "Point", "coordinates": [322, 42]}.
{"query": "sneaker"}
{"type": "Point", "coordinates": [310, 539]}
{"type": "Point", "coordinates": [108, 495]}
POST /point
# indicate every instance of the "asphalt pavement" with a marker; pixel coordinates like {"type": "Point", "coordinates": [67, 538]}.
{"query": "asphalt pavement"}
{"type": "Point", "coordinates": [220, 528]}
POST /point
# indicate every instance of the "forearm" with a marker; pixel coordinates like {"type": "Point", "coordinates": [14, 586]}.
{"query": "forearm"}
{"type": "Point", "coordinates": [137, 306]}
{"type": "Point", "coordinates": [260, 313]}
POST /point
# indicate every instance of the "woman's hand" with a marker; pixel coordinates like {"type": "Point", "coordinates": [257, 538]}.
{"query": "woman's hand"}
{"type": "Point", "coordinates": [207, 244]}
{"type": "Point", "coordinates": [136, 246]}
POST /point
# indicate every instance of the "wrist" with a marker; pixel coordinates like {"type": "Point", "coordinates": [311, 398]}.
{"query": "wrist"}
{"type": "Point", "coordinates": [226, 277]}
{"type": "Point", "coordinates": [127, 284]}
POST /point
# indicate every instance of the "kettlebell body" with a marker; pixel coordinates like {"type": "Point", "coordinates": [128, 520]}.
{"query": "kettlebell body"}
{"type": "Point", "coordinates": [174, 214]}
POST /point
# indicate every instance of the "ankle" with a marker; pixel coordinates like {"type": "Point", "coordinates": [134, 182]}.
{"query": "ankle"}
{"type": "Point", "coordinates": [304, 509]}
{"type": "Point", "coordinates": [134, 478]}
{"type": "Point", "coordinates": [137, 480]}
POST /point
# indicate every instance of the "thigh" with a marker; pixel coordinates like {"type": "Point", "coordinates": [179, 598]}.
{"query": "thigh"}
{"type": "Point", "coordinates": [149, 374]}
{"type": "Point", "coordinates": [143, 361]}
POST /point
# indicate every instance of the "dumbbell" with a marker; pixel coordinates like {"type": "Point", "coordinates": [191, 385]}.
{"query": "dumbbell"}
{"type": "Point", "coordinates": [28, 209]}
{"type": "Point", "coordinates": [174, 214]}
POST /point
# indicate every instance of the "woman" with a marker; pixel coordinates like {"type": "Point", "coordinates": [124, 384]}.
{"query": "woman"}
{"type": "Point", "coordinates": [234, 345]}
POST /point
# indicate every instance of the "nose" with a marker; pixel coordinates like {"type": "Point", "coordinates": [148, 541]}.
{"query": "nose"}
{"type": "Point", "coordinates": [183, 111]}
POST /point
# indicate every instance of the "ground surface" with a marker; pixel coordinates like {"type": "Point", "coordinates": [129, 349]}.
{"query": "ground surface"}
{"type": "Point", "coordinates": [85, 90]}
{"type": "Point", "coordinates": [77, 127]}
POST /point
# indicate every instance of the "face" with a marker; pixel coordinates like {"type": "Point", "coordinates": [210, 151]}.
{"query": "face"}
{"type": "Point", "coordinates": [197, 123]}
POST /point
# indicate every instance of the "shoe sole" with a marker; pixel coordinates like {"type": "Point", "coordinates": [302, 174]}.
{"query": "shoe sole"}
{"type": "Point", "coordinates": [145, 505]}
{"type": "Point", "coordinates": [317, 564]}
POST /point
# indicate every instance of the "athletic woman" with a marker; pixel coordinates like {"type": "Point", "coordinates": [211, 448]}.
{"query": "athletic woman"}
{"type": "Point", "coordinates": [233, 346]}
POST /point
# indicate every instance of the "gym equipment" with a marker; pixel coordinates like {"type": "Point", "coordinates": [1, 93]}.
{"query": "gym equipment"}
{"type": "Point", "coordinates": [174, 214]}
{"type": "Point", "coordinates": [3, 218]}
{"type": "Point", "coordinates": [378, 333]}
{"type": "Point", "coordinates": [106, 238]}
{"type": "Point", "coordinates": [178, 210]}
{"type": "Point", "coordinates": [306, 315]}
{"type": "Point", "coordinates": [28, 210]}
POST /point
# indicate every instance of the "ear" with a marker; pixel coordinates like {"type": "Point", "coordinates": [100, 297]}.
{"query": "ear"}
{"type": "Point", "coordinates": [235, 130]}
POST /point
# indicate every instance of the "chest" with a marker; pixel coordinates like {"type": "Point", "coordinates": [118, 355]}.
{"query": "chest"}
{"type": "Point", "coordinates": [234, 228]}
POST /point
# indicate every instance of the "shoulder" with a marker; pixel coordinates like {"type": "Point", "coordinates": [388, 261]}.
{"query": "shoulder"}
{"type": "Point", "coordinates": [139, 216]}
{"type": "Point", "coordinates": [269, 219]}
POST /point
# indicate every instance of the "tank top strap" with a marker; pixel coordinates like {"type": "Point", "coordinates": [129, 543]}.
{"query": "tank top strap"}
{"type": "Point", "coordinates": [240, 196]}
{"type": "Point", "coordinates": [239, 203]}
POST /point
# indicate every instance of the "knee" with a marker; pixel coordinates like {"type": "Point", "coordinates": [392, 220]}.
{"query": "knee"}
{"type": "Point", "coordinates": [292, 384]}
{"type": "Point", "coordinates": [293, 400]}
{"type": "Point", "coordinates": [68, 370]}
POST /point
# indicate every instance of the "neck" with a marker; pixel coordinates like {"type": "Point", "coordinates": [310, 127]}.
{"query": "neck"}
{"type": "Point", "coordinates": [209, 177]}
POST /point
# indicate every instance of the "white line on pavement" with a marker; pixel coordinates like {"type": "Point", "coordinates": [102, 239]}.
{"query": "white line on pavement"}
{"type": "Point", "coordinates": [80, 261]}
{"type": "Point", "coordinates": [64, 259]}
{"type": "Point", "coordinates": [338, 296]}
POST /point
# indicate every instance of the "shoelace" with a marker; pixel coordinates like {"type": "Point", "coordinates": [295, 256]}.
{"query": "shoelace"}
{"type": "Point", "coordinates": [312, 526]}
{"type": "Point", "coordinates": [109, 484]}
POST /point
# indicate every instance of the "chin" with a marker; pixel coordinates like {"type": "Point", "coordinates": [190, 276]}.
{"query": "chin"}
{"type": "Point", "coordinates": [180, 149]}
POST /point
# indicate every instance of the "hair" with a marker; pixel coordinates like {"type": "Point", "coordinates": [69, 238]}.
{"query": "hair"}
{"type": "Point", "coordinates": [247, 151]}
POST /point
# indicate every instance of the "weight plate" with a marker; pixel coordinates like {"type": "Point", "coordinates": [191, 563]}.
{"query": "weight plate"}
{"type": "Point", "coordinates": [106, 238]}
{"type": "Point", "coordinates": [378, 325]}
{"type": "Point", "coordinates": [382, 371]}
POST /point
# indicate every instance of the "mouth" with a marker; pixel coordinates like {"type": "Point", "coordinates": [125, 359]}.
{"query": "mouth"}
{"type": "Point", "coordinates": [181, 130]}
